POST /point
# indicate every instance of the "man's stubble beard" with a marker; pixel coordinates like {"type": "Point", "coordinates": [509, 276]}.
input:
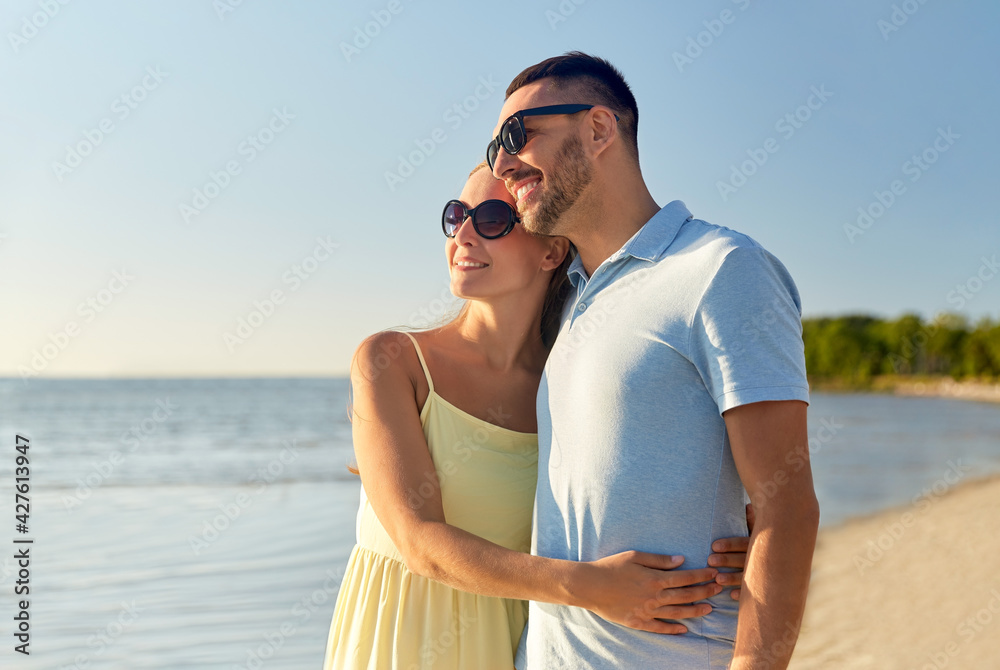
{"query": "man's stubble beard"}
{"type": "Point", "coordinates": [571, 175]}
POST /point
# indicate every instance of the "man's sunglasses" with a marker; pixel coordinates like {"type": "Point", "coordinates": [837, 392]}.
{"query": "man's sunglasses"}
{"type": "Point", "coordinates": [512, 135]}
{"type": "Point", "coordinates": [491, 218]}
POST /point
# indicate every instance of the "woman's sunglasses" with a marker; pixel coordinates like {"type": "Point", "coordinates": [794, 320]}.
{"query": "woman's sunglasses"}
{"type": "Point", "coordinates": [513, 136]}
{"type": "Point", "coordinates": [491, 218]}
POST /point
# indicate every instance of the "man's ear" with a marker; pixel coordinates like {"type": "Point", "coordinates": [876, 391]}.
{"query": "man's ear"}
{"type": "Point", "coordinates": [603, 129]}
{"type": "Point", "coordinates": [558, 248]}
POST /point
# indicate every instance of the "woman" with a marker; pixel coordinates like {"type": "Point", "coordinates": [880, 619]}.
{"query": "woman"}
{"type": "Point", "coordinates": [448, 463]}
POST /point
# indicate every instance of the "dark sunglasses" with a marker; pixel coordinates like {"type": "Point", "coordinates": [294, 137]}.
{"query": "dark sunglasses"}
{"type": "Point", "coordinates": [513, 136]}
{"type": "Point", "coordinates": [490, 219]}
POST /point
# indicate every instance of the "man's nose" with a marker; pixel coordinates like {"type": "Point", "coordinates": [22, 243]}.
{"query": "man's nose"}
{"type": "Point", "coordinates": [505, 163]}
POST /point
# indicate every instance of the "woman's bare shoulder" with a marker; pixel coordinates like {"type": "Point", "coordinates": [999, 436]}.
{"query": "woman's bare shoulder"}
{"type": "Point", "coordinates": [382, 352]}
{"type": "Point", "coordinates": [389, 356]}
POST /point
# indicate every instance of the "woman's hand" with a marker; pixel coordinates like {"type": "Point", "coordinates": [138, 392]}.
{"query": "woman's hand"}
{"type": "Point", "coordinates": [636, 589]}
{"type": "Point", "coordinates": [731, 552]}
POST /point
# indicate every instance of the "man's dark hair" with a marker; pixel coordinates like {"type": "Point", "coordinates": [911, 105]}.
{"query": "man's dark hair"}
{"type": "Point", "coordinates": [597, 80]}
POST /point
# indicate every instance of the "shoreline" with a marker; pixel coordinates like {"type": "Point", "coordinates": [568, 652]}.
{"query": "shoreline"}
{"type": "Point", "coordinates": [924, 387]}
{"type": "Point", "coordinates": [949, 388]}
{"type": "Point", "coordinates": [909, 587]}
{"type": "Point", "coordinates": [991, 479]}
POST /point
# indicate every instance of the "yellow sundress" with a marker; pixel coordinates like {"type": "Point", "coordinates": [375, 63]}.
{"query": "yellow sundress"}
{"type": "Point", "coordinates": [388, 618]}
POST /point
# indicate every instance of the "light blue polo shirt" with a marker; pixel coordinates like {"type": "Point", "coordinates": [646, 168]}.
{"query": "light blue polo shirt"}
{"type": "Point", "coordinates": [686, 320]}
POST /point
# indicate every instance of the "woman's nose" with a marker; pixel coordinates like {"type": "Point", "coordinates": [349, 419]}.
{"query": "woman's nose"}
{"type": "Point", "coordinates": [466, 233]}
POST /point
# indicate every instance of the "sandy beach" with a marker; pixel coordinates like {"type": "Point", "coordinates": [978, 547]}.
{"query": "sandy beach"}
{"type": "Point", "coordinates": [914, 587]}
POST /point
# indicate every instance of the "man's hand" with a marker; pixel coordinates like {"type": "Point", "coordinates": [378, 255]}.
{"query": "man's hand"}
{"type": "Point", "coordinates": [731, 552]}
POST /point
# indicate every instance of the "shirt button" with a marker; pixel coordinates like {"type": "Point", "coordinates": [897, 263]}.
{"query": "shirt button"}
{"type": "Point", "coordinates": [582, 306]}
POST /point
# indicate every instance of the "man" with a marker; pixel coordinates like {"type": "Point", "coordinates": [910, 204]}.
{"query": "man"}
{"type": "Point", "coordinates": [676, 386]}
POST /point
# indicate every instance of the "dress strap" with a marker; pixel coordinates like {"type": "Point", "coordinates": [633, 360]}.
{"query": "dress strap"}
{"type": "Point", "coordinates": [423, 363]}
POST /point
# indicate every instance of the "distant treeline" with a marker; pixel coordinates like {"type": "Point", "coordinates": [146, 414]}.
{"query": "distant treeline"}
{"type": "Point", "coordinates": [854, 349]}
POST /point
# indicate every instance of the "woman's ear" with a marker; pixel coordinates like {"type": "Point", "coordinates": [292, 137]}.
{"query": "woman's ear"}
{"type": "Point", "coordinates": [558, 248]}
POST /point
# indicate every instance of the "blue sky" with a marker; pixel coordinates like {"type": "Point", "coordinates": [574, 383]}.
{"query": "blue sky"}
{"type": "Point", "coordinates": [111, 264]}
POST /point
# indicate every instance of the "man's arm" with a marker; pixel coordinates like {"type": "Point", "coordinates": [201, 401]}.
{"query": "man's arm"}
{"type": "Point", "coordinates": [770, 447]}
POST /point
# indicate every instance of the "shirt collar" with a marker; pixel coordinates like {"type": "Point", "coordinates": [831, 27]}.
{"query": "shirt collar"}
{"type": "Point", "coordinates": [648, 243]}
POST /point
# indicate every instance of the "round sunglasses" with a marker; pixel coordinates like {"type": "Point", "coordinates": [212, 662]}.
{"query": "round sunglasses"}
{"type": "Point", "coordinates": [513, 136]}
{"type": "Point", "coordinates": [490, 219]}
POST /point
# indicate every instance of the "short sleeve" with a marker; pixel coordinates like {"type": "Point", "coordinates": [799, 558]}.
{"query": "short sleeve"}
{"type": "Point", "coordinates": [746, 334]}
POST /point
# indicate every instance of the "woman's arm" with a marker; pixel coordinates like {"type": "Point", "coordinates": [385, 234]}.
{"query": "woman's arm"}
{"type": "Point", "coordinates": [631, 588]}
